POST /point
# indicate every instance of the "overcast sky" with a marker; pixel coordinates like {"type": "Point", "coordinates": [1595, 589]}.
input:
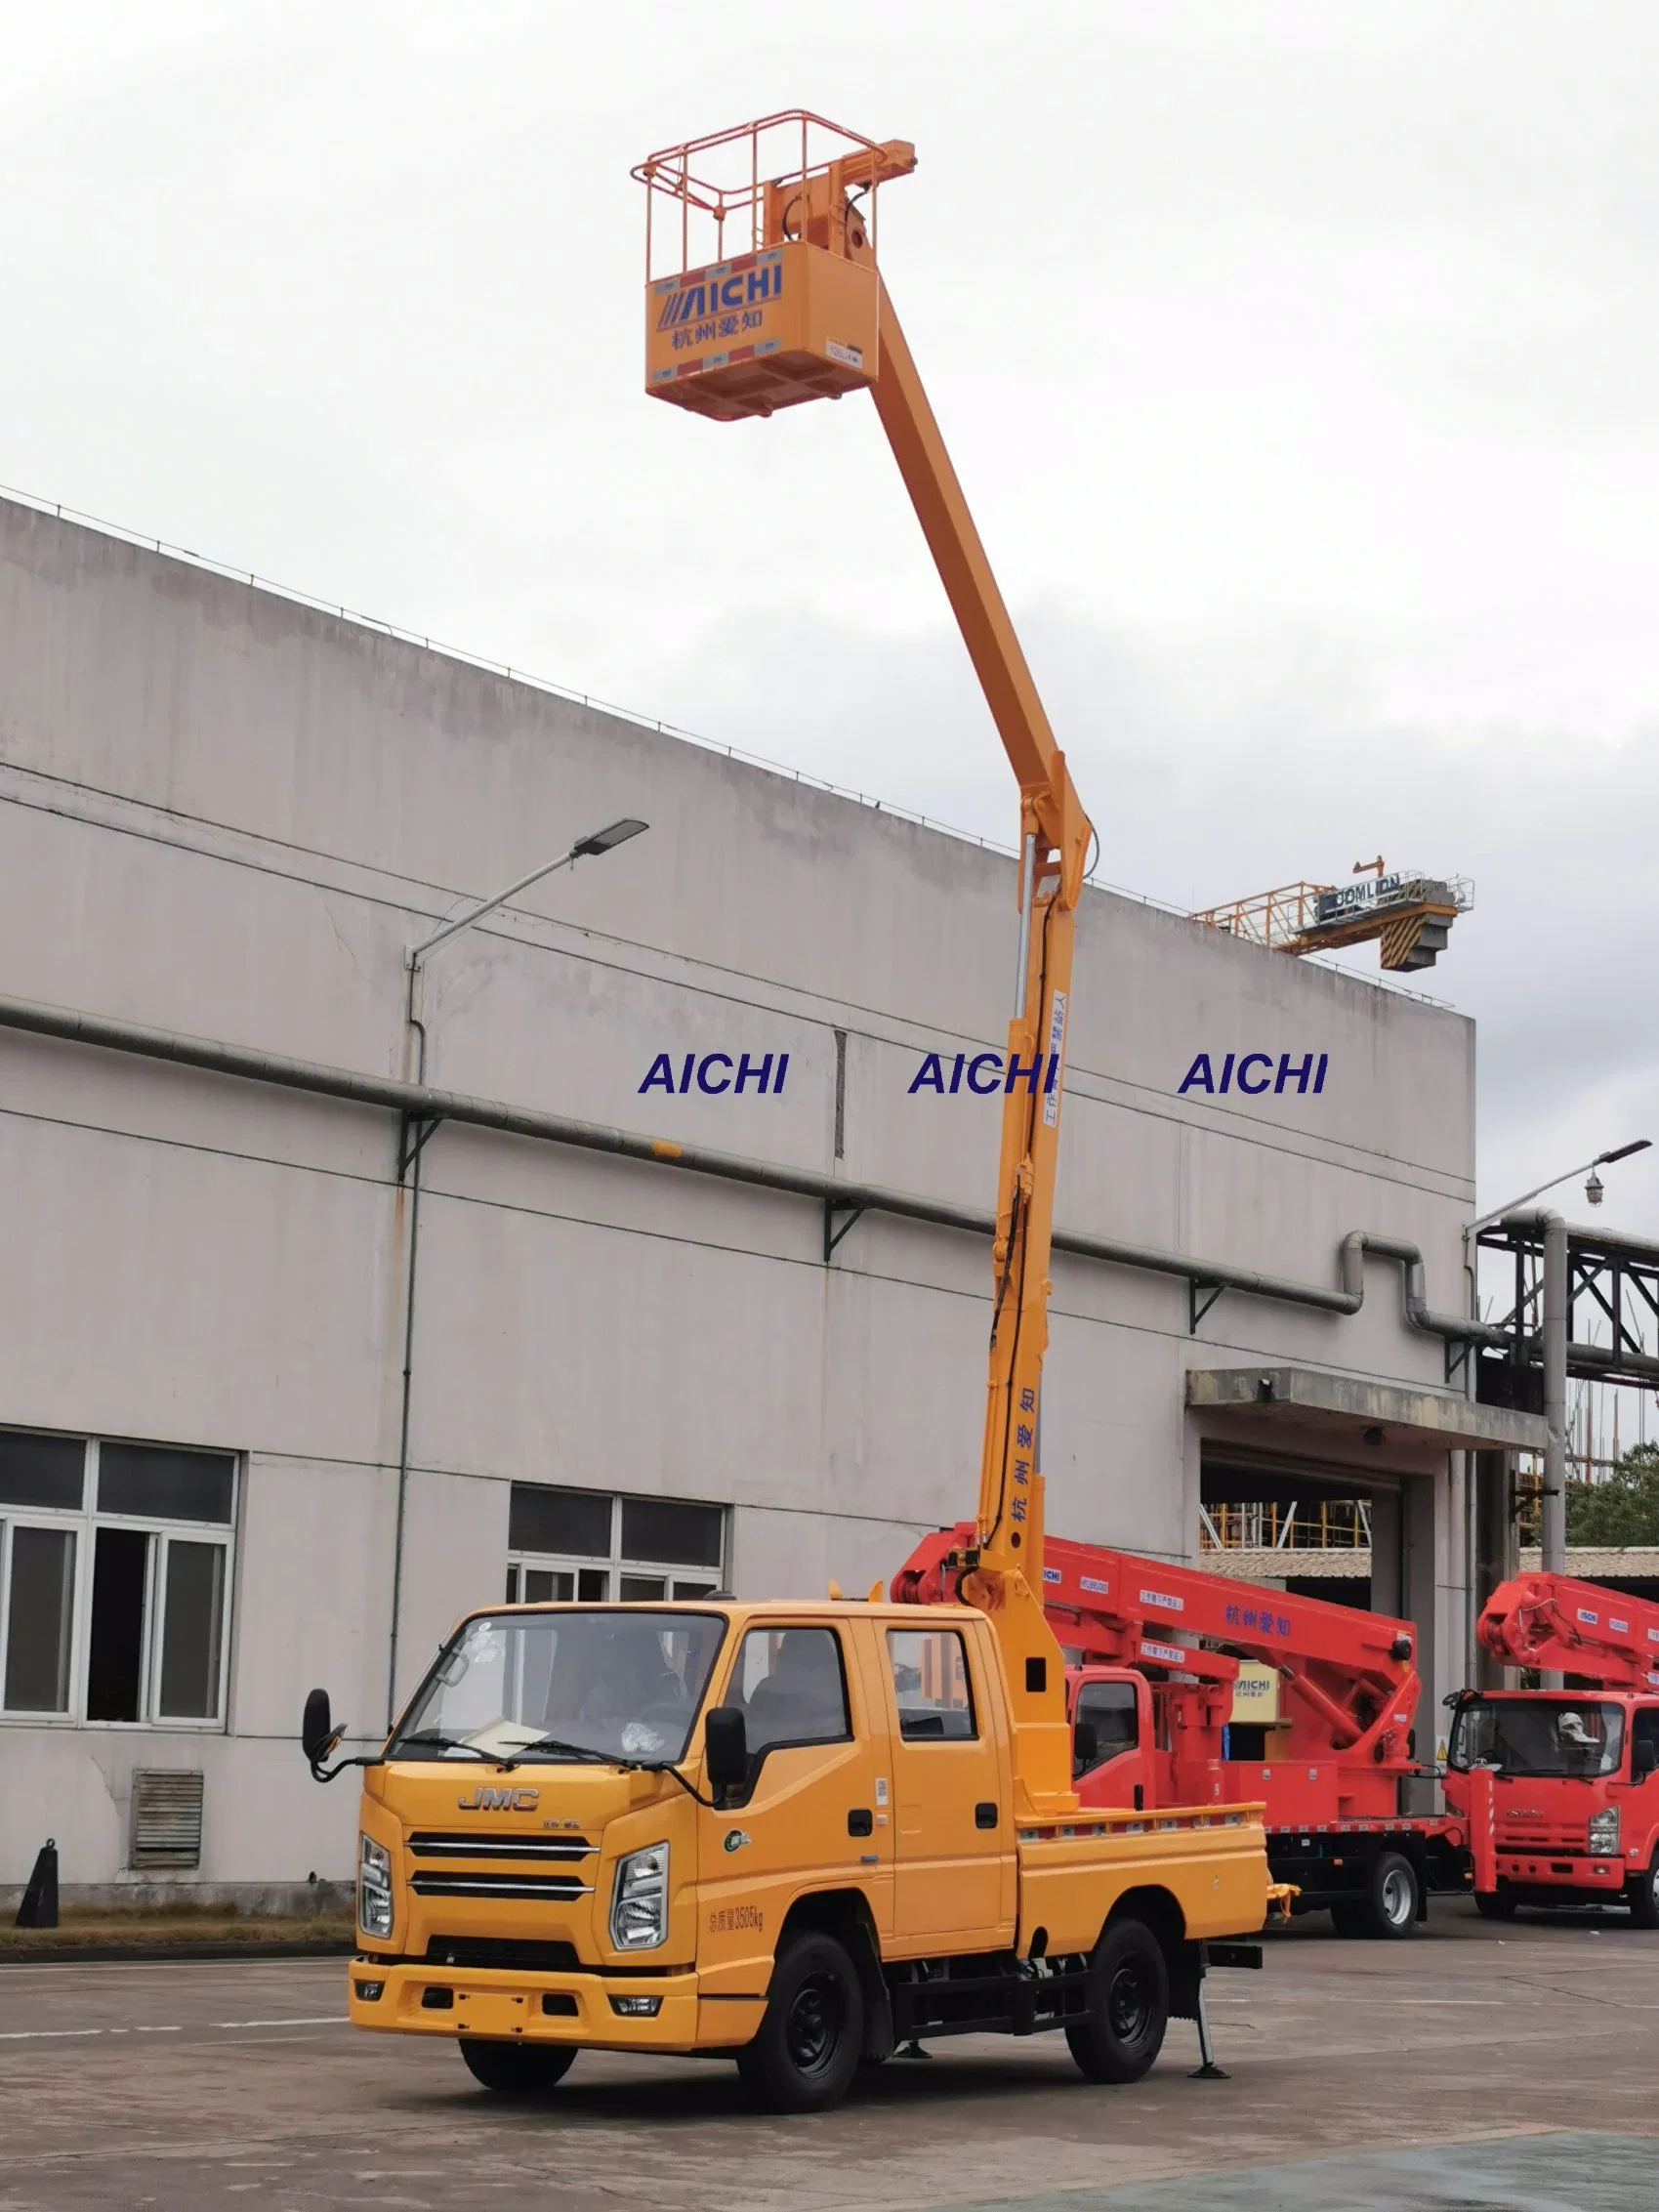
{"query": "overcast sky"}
{"type": "Point", "coordinates": [1299, 360]}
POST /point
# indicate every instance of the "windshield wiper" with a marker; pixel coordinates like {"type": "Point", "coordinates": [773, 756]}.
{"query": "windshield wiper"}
{"type": "Point", "coordinates": [557, 1743]}
{"type": "Point", "coordinates": [432, 1739]}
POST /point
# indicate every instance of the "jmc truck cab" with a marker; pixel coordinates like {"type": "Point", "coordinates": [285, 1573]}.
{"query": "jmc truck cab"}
{"type": "Point", "coordinates": [782, 1832]}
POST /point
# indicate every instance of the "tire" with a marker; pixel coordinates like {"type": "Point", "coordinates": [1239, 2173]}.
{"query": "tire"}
{"type": "Point", "coordinates": [517, 2070]}
{"type": "Point", "coordinates": [1128, 2005]}
{"type": "Point", "coordinates": [1393, 1894]}
{"type": "Point", "coordinates": [1643, 1896]}
{"type": "Point", "coordinates": [1495, 1904]}
{"type": "Point", "coordinates": [807, 2052]}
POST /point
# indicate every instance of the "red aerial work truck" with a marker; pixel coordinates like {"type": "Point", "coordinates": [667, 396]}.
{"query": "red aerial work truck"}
{"type": "Point", "coordinates": [1153, 1657]}
{"type": "Point", "coordinates": [1559, 1788]}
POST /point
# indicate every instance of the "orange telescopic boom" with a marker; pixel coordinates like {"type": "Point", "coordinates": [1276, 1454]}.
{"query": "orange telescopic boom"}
{"type": "Point", "coordinates": [763, 291]}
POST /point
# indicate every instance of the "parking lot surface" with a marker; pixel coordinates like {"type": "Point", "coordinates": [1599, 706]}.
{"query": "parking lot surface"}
{"type": "Point", "coordinates": [1474, 2066]}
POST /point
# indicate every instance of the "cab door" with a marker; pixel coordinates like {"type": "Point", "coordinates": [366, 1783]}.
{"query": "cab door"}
{"type": "Point", "coordinates": [808, 1819]}
{"type": "Point", "coordinates": [1117, 1705]}
{"type": "Point", "coordinates": [954, 1874]}
{"type": "Point", "coordinates": [1641, 1816]}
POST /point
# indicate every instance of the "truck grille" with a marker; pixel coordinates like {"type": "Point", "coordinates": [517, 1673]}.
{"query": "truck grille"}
{"type": "Point", "coordinates": [535, 1850]}
{"type": "Point", "coordinates": [1540, 1835]}
{"type": "Point", "coordinates": [551, 1887]}
{"type": "Point", "coordinates": [502, 1951]}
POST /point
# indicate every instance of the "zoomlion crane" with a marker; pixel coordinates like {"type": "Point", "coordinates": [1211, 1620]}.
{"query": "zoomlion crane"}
{"type": "Point", "coordinates": [798, 1834]}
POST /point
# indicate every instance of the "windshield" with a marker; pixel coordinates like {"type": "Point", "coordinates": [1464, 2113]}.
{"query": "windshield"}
{"type": "Point", "coordinates": [1538, 1735]}
{"type": "Point", "coordinates": [609, 1685]}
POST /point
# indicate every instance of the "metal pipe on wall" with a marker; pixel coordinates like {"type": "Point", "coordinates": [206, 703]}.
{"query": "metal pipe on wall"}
{"type": "Point", "coordinates": [421, 1102]}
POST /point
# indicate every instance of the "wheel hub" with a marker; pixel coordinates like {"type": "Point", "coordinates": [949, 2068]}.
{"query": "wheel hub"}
{"type": "Point", "coordinates": [815, 2020]}
{"type": "Point", "coordinates": [1129, 2002]}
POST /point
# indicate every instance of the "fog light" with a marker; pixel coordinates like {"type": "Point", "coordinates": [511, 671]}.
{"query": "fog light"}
{"type": "Point", "coordinates": [368, 1990]}
{"type": "Point", "coordinates": [637, 2008]}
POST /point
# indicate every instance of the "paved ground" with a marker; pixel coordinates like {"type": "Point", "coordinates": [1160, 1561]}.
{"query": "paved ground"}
{"type": "Point", "coordinates": [1477, 2067]}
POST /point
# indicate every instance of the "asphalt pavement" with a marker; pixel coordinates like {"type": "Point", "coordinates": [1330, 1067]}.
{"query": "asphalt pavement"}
{"type": "Point", "coordinates": [1474, 2067]}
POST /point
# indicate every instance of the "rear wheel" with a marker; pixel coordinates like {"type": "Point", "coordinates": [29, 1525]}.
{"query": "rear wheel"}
{"type": "Point", "coordinates": [1392, 1898]}
{"type": "Point", "coordinates": [1495, 1904]}
{"type": "Point", "coordinates": [517, 2070]}
{"type": "Point", "coordinates": [1643, 1892]}
{"type": "Point", "coordinates": [1128, 2005]}
{"type": "Point", "coordinates": [806, 2051]}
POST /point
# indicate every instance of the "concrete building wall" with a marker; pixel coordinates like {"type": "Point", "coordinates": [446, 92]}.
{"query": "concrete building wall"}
{"type": "Point", "coordinates": [229, 814]}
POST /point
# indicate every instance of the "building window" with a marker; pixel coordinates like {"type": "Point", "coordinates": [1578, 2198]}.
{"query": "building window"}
{"type": "Point", "coordinates": [588, 1547]}
{"type": "Point", "coordinates": [114, 1580]}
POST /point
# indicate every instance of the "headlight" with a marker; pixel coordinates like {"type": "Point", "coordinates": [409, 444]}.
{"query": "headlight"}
{"type": "Point", "coordinates": [1605, 1832]}
{"type": "Point", "coordinates": [638, 1905]}
{"type": "Point", "coordinates": [374, 1886]}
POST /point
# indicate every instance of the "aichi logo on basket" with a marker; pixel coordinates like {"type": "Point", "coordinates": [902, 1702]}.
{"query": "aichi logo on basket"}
{"type": "Point", "coordinates": [721, 289]}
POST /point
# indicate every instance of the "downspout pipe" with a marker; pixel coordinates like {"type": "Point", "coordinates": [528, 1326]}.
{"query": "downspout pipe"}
{"type": "Point", "coordinates": [1553, 1322]}
{"type": "Point", "coordinates": [421, 1101]}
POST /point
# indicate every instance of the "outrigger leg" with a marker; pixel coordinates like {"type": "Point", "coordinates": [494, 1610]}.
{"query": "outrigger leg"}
{"type": "Point", "coordinates": [1208, 2071]}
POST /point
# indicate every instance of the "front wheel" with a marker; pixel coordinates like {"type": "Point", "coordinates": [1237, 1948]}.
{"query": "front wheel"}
{"type": "Point", "coordinates": [807, 2052]}
{"type": "Point", "coordinates": [1643, 1892]}
{"type": "Point", "coordinates": [1495, 1904]}
{"type": "Point", "coordinates": [517, 2070]}
{"type": "Point", "coordinates": [1128, 1997]}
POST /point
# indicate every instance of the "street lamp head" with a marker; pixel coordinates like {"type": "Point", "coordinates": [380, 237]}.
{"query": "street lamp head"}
{"type": "Point", "coordinates": [606, 840]}
{"type": "Point", "coordinates": [1622, 1152]}
{"type": "Point", "coordinates": [1592, 1188]}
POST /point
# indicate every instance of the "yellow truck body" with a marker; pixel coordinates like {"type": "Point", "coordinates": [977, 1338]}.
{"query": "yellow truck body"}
{"type": "Point", "coordinates": [878, 1808]}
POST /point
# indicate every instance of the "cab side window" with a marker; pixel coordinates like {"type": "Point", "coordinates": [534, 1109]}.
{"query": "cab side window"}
{"type": "Point", "coordinates": [791, 1687]}
{"type": "Point", "coordinates": [931, 1684]}
{"type": "Point", "coordinates": [1110, 1707]}
{"type": "Point", "coordinates": [1645, 1742]}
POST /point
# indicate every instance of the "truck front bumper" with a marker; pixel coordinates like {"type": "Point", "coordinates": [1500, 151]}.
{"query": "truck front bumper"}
{"type": "Point", "coordinates": [1560, 1870]}
{"type": "Point", "coordinates": [623, 2011]}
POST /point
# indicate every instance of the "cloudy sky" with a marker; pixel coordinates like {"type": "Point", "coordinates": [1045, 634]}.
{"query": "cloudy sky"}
{"type": "Point", "coordinates": [1299, 360]}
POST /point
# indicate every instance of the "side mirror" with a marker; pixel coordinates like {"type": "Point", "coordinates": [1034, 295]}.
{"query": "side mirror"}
{"type": "Point", "coordinates": [725, 1749]}
{"type": "Point", "coordinates": [1085, 1745]}
{"type": "Point", "coordinates": [316, 1730]}
{"type": "Point", "coordinates": [1644, 1761]}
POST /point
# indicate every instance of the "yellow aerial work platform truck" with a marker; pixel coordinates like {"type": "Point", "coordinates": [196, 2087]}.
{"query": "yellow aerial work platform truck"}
{"type": "Point", "coordinates": [802, 1833]}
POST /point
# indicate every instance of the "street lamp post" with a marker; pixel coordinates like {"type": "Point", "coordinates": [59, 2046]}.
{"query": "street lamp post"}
{"type": "Point", "coordinates": [597, 842]}
{"type": "Point", "coordinates": [1593, 1195]}
{"type": "Point", "coordinates": [1553, 1328]}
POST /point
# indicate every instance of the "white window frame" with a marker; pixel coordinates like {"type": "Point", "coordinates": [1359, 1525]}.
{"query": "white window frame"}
{"type": "Point", "coordinates": [615, 1564]}
{"type": "Point", "coordinates": [161, 1532]}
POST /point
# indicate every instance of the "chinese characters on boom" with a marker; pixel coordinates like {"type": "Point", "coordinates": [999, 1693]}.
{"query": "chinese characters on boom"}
{"type": "Point", "coordinates": [1262, 1619]}
{"type": "Point", "coordinates": [1025, 1439]}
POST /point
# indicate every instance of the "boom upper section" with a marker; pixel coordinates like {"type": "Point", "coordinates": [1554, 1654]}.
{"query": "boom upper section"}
{"type": "Point", "coordinates": [1577, 1628]}
{"type": "Point", "coordinates": [763, 291]}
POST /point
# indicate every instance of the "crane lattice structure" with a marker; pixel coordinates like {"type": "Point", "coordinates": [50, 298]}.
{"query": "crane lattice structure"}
{"type": "Point", "coordinates": [1408, 912]}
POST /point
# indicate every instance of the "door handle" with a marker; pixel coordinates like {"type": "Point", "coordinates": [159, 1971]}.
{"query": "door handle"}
{"type": "Point", "coordinates": [985, 1813]}
{"type": "Point", "coordinates": [860, 1821]}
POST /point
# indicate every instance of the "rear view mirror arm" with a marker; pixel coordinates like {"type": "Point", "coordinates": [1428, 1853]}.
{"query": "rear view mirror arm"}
{"type": "Point", "coordinates": [364, 1759]}
{"type": "Point", "coordinates": [691, 1790]}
